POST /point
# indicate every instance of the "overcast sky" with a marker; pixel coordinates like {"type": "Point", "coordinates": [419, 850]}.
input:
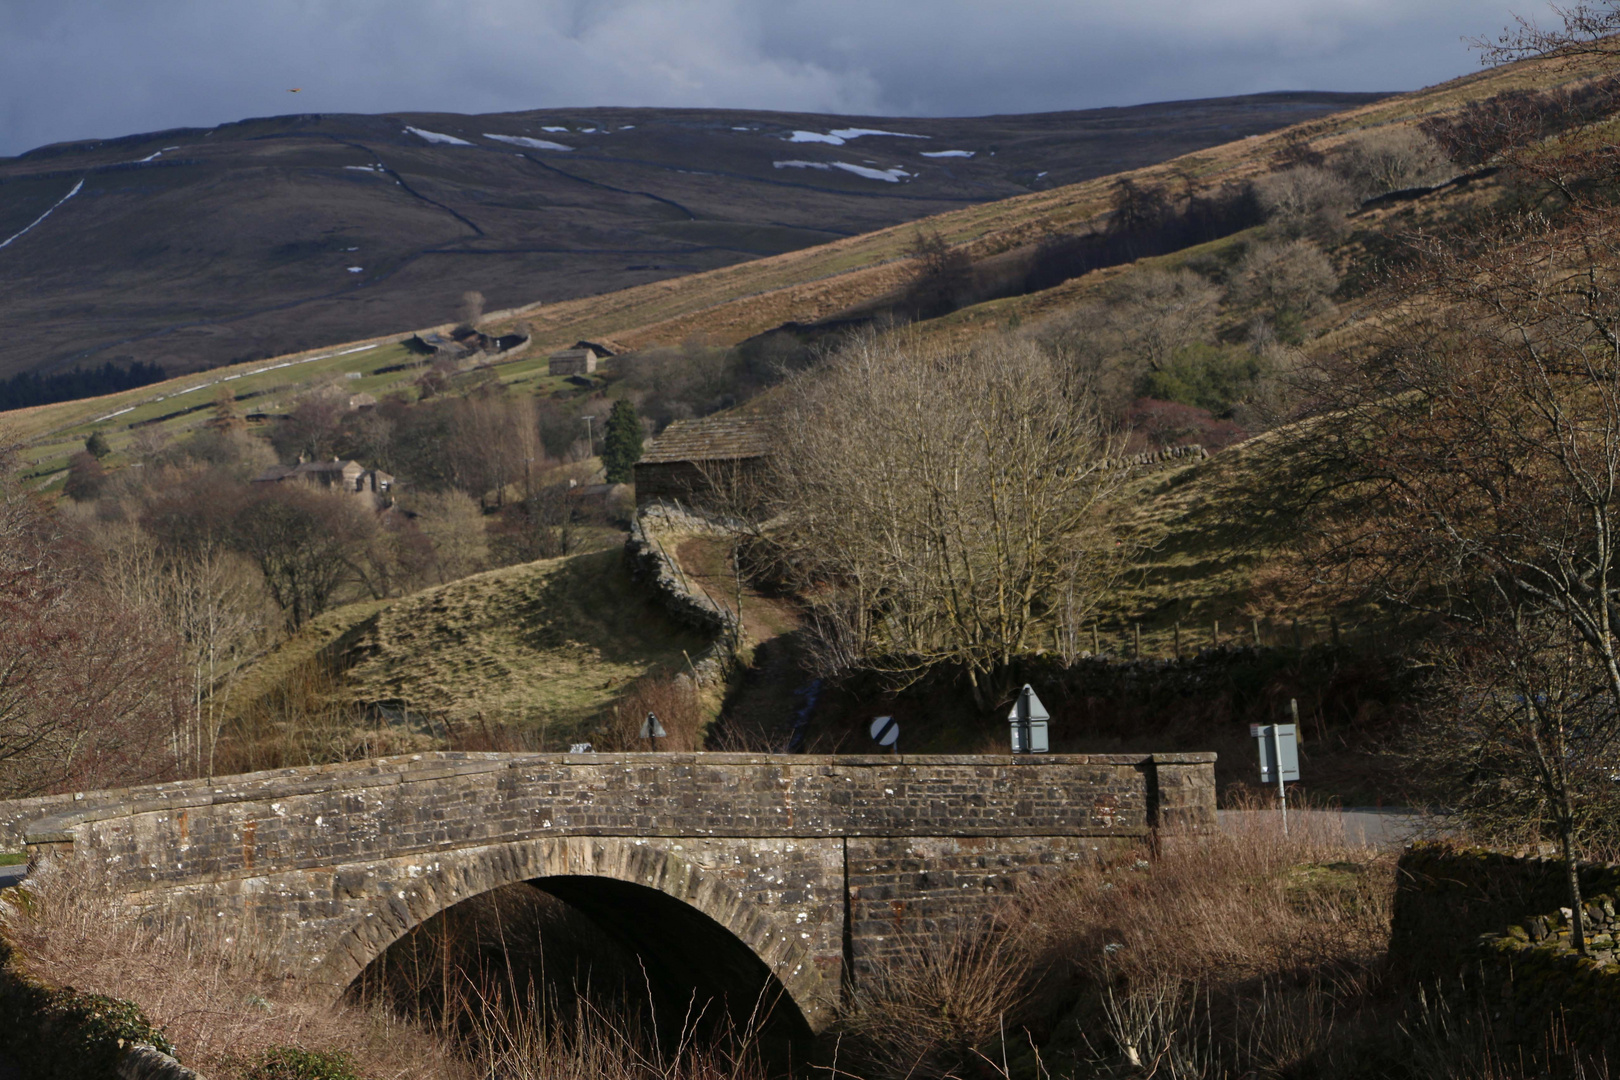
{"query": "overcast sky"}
{"type": "Point", "coordinates": [79, 69]}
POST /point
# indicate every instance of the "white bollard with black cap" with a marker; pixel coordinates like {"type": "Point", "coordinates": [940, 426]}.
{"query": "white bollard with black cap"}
{"type": "Point", "coordinates": [1028, 720]}
{"type": "Point", "coordinates": [651, 729]}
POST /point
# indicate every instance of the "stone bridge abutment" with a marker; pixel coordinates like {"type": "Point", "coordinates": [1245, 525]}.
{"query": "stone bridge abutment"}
{"type": "Point", "coordinates": [819, 866]}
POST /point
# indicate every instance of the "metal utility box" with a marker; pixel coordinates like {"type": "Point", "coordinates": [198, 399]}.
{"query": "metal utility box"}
{"type": "Point", "coordinates": [1277, 741]}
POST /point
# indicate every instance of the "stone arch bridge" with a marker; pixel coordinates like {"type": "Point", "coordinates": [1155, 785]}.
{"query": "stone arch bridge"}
{"type": "Point", "coordinates": [794, 870]}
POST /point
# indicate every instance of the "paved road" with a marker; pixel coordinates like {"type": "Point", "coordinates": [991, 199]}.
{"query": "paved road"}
{"type": "Point", "coordinates": [11, 875]}
{"type": "Point", "coordinates": [1389, 827]}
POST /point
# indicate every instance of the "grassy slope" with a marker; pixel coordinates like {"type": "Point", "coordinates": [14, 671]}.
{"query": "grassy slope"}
{"type": "Point", "coordinates": [547, 643]}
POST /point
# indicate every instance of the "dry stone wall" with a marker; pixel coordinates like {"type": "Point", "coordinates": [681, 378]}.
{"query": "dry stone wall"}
{"type": "Point", "coordinates": [1501, 926]}
{"type": "Point", "coordinates": [655, 536]}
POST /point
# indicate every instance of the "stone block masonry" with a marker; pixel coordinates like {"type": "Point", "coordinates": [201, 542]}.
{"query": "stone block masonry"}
{"type": "Point", "coordinates": [820, 866]}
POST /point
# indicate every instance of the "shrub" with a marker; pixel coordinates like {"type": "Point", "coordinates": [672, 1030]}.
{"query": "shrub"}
{"type": "Point", "coordinates": [296, 1063]}
{"type": "Point", "coordinates": [935, 1008]}
{"type": "Point", "coordinates": [675, 702]}
{"type": "Point", "coordinates": [1209, 377]}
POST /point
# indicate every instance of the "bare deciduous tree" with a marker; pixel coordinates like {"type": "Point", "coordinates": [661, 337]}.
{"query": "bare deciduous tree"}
{"type": "Point", "coordinates": [1305, 200]}
{"type": "Point", "coordinates": [1391, 159]}
{"type": "Point", "coordinates": [1157, 313]}
{"type": "Point", "coordinates": [1482, 444]}
{"type": "Point", "coordinates": [89, 691]}
{"type": "Point", "coordinates": [1588, 30]}
{"type": "Point", "coordinates": [1288, 282]}
{"type": "Point", "coordinates": [454, 527]}
{"type": "Point", "coordinates": [304, 542]}
{"type": "Point", "coordinates": [943, 504]}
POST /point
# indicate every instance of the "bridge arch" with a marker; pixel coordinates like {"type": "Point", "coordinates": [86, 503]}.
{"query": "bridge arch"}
{"type": "Point", "coordinates": [649, 893]}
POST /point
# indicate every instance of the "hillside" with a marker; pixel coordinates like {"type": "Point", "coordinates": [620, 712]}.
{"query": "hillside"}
{"type": "Point", "coordinates": [197, 248]}
{"type": "Point", "coordinates": [542, 647]}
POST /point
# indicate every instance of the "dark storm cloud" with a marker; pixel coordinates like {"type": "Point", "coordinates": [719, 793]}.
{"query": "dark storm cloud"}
{"type": "Point", "coordinates": [74, 69]}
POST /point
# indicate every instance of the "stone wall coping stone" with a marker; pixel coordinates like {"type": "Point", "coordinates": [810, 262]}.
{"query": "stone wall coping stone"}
{"type": "Point", "coordinates": [425, 767]}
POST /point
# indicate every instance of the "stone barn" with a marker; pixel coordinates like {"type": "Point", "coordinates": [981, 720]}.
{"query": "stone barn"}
{"type": "Point", "coordinates": [573, 362]}
{"type": "Point", "coordinates": [691, 459]}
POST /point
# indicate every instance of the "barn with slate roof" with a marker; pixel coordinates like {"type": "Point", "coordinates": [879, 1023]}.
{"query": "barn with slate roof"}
{"type": "Point", "coordinates": [691, 457]}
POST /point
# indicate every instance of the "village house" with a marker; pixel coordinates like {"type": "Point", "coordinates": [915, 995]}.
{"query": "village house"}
{"type": "Point", "coordinates": [373, 486]}
{"type": "Point", "coordinates": [698, 460]}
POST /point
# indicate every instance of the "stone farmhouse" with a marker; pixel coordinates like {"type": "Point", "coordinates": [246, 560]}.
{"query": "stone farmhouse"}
{"type": "Point", "coordinates": [467, 346]}
{"type": "Point", "coordinates": [690, 459]}
{"type": "Point", "coordinates": [373, 486]}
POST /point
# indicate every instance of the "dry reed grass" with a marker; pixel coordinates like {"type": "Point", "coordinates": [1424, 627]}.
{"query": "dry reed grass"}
{"type": "Point", "coordinates": [540, 1042]}
{"type": "Point", "coordinates": [213, 998]}
{"type": "Point", "coordinates": [1232, 953]}
{"type": "Point", "coordinates": [933, 1008]}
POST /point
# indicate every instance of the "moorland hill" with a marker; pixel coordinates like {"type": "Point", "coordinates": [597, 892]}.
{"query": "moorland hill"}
{"type": "Point", "coordinates": [196, 248]}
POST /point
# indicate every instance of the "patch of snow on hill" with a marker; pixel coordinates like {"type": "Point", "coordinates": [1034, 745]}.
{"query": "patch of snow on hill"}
{"type": "Point", "coordinates": [947, 153]}
{"type": "Point", "coordinates": [533, 144]}
{"type": "Point", "coordinates": [840, 136]}
{"type": "Point", "coordinates": [435, 137]}
{"type": "Point", "coordinates": [891, 176]}
{"type": "Point", "coordinates": [363, 168]}
{"type": "Point", "coordinates": [45, 215]}
{"type": "Point", "coordinates": [553, 129]}
{"type": "Point", "coordinates": [356, 269]}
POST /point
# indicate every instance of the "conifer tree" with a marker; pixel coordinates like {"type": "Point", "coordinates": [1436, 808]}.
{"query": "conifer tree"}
{"type": "Point", "coordinates": [622, 443]}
